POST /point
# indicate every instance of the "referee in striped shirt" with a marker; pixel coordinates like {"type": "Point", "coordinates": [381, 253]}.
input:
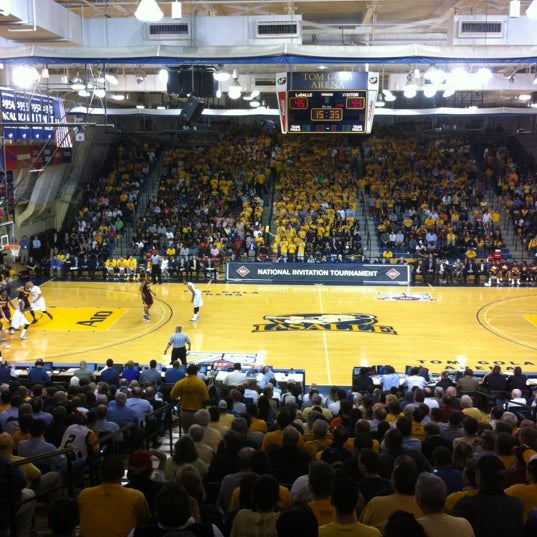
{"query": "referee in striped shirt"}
{"type": "Point", "coordinates": [180, 344]}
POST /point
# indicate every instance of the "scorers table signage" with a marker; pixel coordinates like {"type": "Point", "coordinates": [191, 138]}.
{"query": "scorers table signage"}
{"type": "Point", "coordinates": [306, 273]}
{"type": "Point", "coordinates": [327, 102]}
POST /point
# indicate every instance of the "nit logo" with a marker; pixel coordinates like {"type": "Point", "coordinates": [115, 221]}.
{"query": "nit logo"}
{"type": "Point", "coordinates": [392, 273]}
{"type": "Point", "coordinates": [243, 271]}
{"type": "Point", "coordinates": [406, 297]}
{"type": "Point", "coordinates": [338, 322]}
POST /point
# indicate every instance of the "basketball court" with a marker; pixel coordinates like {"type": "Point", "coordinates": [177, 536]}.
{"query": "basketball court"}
{"type": "Point", "coordinates": [326, 330]}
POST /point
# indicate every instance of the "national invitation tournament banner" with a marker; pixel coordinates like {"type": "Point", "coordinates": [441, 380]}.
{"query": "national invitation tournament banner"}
{"type": "Point", "coordinates": [308, 273]}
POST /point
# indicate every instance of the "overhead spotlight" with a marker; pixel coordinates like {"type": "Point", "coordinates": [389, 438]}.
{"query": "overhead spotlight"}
{"type": "Point", "coordinates": [235, 89]}
{"type": "Point", "coordinates": [389, 97]}
{"type": "Point", "coordinates": [177, 10]}
{"type": "Point", "coordinates": [252, 96]}
{"type": "Point", "coordinates": [410, 89]}
{"type": "Point", "coordinates": [140, 76]}
{"type": "Point", "coordinates": [512, 76]}
{"type": "Point", "coordinates": [458, 77]}
{"type": "Point", "coordinates": [77, 84]}
{"type": "Point", "coordinates": [163, 75]}
{"type": "Point", "coordinates": [484, 74]}
{"type": "Point", "coordinates": [100, 93]}
{"type": "Point", "coordinates": [221, 75]}
{"type": "Point", "coordinates": [118, 97]}
{"type": "Point", "coordinates": [531, 12]}
{"type": "Point", "coordinates": [111, 78]}
{"type": "Point", "coordinates": [25, 76]}
{"type": "Point", "coordinates": [148, 11]}
{"type": "Point", "coordinates": [5, 8]}
{"type": "Point", "coordinates": [434, 75]}
{"type": "Point", "coordinates": [429, 91]}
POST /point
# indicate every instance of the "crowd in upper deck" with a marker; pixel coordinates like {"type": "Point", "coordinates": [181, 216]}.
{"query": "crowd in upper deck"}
{"type": "Point", "coordinates": [271, 198]}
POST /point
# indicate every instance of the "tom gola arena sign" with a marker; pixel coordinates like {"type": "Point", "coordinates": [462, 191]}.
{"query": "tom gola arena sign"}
{"type": "Point", "coordinates": [306, 273]}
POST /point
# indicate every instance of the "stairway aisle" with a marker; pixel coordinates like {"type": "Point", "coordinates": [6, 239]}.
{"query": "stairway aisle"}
{"type": "Point", "coordinates": [513, 246]}
{"type": "Point", "coordinates": [148, 191]}
{"type": "Point", "coordinates": [368, 229]}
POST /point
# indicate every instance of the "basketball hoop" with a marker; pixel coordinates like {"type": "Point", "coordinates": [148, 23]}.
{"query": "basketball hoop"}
{"type": "Point", "coordinates": [13, 249]}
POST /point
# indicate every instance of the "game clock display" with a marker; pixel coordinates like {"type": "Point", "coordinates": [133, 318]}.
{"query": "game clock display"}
{"type": "Point", "coordinates": [327, 111]}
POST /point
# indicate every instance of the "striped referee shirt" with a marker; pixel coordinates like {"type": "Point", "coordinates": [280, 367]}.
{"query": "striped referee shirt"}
{"type": "Point", "coordinates": [178, 340]}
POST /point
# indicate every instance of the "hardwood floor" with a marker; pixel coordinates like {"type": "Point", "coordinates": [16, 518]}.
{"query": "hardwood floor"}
{"type": "Point", "coordinates": [325, 330]}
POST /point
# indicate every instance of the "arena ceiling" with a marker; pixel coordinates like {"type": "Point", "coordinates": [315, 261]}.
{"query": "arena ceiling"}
{"type": "Point", "coordinates": [399, 39]}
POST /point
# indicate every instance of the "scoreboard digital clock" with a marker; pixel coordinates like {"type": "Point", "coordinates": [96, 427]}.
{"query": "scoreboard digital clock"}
{"type": "Point", "coordinates": [337, 102]}
{"type": "Point", "coordinates": [327, 111]}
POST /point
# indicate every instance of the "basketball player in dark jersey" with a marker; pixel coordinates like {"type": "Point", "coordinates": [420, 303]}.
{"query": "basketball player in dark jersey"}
{"type": "Point", "coordinates": [25, 295]}
{"type": "Point", "coordinates": [5, 311]}
{"type": "Point", "coordinates": [147, 295]}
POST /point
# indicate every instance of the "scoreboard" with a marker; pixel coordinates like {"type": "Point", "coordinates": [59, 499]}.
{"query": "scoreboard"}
{"type": "Point", "coordinates": [327, 111]}
{"type": "Point", "coordinates": [327, 102]}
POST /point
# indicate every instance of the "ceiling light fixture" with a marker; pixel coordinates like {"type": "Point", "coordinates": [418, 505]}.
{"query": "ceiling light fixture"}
{"type": "Point", "coordinates": [410, 89]}
{"type": "Point", "coordinates": [235, 89]}
{"type": "Point", "coordinates": [389, 97]}
{"type": "Point", "coordinates": [177, 10]}
{"type": "Point", "coordinates": [140, 76]}
{"type": "Point", "coordinates": [163, 75]}
{"type": "Point", "coordinates": [5, 8]}
{"type": "Point", "coordinates": [531, 12]}
{"type": "Point", "coordinates": [25, 76]}
{"type": "Point", "coordinates": [220, 75]}
{"type": "Point", "coordinates": [148, 11]}
{"type": "Point", "coordinates": [483, 75]}
{"type": "Point", "coordinates": [514, 8]}
{"type": "Point", "coordinates": [77, 84]}
{"type": "Point", "coordinates": [429, 91]}
{"type": "Point", "coordinates": [434, 75]}
{"type": "Point", "coordinates": [111, 78]}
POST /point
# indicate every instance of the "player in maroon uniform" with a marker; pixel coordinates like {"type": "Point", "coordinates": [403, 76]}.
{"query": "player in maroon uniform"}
{"type": "Point", "coordinates": [5, 311]}
{"type": "Point", "coordinates": [147, 295]}
{"type": "Point", "coordinates": [26, 299]}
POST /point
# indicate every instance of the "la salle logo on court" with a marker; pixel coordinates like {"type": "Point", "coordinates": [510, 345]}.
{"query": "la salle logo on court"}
{"type": "Point", "coordinates": [333, 322]}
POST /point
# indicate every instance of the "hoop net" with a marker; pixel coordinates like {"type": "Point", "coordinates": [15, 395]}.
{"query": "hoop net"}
{"type": "Point", "coordinates": [13, 249]}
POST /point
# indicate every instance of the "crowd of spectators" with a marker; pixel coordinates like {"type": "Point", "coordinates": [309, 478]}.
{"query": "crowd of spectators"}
{"type": "Point", "coordinates": [108, 203]}
{"type": "Point", "coordinates": [253, 194]}
{"type": "Point", "coordinates": [258, 458]}
{"type": "Point", "coordinates": [516, 188]}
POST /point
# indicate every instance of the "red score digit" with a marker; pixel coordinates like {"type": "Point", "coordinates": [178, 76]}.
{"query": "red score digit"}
{"type": "Point", "coordinates": [300, 103]}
